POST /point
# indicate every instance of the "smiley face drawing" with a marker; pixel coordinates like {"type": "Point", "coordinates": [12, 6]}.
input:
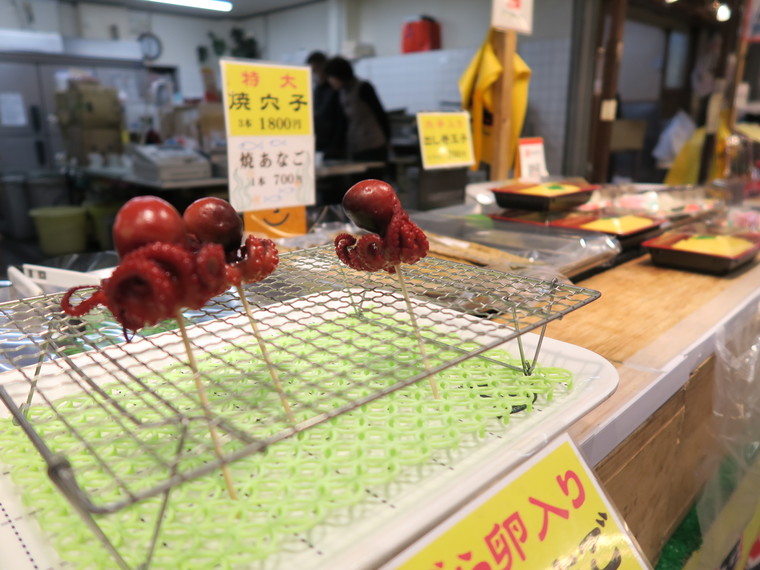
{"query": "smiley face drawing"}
{"type": "Point", "coordinates": [281, 217]}
{"type": "Point", "coordinates": [279, 222]}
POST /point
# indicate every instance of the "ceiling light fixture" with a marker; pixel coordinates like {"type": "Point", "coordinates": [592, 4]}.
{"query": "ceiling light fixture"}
{"type": "Point", "coordinates": [670, 1]}
{"type": "Point", "coordinates": [723, 12]}
{"type": "Point", "coordinates": [218, 5]}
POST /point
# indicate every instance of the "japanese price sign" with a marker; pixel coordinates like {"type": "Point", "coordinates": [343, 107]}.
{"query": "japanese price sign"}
{"type": "Point", "coordinates": [549, 513]}
{"type": "Point", "coordinates": [532, 158]}
{"type": "Point", "coordinates": [514, 15]}
{"type": "Point", "coordinates": [445, 140]}
{"type": "Point", "coordinates": [270, 143]}
{"type": "Point", "coordinates": [751, 30]}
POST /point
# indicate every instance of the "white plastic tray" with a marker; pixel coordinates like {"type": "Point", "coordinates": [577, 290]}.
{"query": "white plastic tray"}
{"type": "Point", "coordinates": [383, 524]}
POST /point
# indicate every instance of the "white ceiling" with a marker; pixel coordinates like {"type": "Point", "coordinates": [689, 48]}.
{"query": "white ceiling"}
{"type": "Point", "coordinates": [240, 8]}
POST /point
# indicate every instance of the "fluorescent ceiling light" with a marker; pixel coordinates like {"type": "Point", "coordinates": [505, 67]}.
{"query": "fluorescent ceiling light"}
{"type": "Point", "coordinates": [218, 5]}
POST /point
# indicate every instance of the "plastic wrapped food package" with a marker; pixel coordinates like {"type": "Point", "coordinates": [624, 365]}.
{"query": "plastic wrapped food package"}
{"type": "Point", "coordinates": [568, 252]}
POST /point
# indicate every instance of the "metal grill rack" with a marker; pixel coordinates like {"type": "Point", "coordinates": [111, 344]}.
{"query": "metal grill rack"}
{"type": "Point", "coordinates": [330, 332]}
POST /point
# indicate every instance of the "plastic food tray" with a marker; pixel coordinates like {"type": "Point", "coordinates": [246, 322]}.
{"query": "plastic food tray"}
{"type": "Point", "coordinates": [675, 203]}
{"type": "Point", "coordinates": [665, 255]}
{"type": "Point", "coordinates": [568, 251]}
{"type": "Point", "coordinates": [344, 345]}
{"type": "Point", "coordinates": [548, 196]}
{"type": "Point", "coordinates": [580, 221]}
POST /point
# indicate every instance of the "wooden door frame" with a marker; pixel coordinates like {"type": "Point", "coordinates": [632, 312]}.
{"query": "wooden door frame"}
{"type": "Point", "coordinates": [604, 104]}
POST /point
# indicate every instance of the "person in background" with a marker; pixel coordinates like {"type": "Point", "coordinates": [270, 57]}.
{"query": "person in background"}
{"type": "Point", "coordinates": [329, 119]}
{"type": "Point", "coordinates": [368, 134]}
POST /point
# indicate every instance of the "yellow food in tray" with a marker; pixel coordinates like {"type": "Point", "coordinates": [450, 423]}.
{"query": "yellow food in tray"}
{"type": "Point", "coordinates": [727, 246]}
{"type": "Point", "coordinates": [618, 225]}
{"type": "Point", "coordinates": [550, 189]}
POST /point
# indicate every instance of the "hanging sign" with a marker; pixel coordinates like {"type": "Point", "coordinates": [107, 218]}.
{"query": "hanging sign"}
{"type": "Point", "coordinates": [445, 140]}
{"type": "Point", "coordinates": [270, 141]}
{"type": "Point", "coordinates": [514, 15]}
{"type": "Point", "coordinates": [550, 513]}
{"type": "Point", "coordinates": [751, 26]}
{"type": "Point", "coordinates": [532, 159]}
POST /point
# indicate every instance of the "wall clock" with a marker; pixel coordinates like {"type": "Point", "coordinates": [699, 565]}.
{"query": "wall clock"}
{"type": "Point", "coordinates": [150, 46]}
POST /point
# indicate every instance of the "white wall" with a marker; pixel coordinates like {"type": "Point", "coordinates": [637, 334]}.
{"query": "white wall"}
{"type": "Point", "coordinates": [100, 22]}
{"type": "Point", "coordinates": [291, 34]}
{"type": "Point", "coordinates": [464, 24]}
{"type": "Point", "coordinates": [181, 38]}
{"type": "Point", "coordinates": [547, 52]}
{"type": "Point", "coordinates": [41, 16]}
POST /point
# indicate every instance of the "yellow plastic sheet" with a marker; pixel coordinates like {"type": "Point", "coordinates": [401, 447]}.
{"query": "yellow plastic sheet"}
{"type": "Point", "coordinates": [475, 88]}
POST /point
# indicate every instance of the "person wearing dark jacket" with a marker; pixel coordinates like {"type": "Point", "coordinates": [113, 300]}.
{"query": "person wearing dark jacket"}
{"type": "Point", "coordinates": [368, 133]}
{"type": "Point", "coordinates": [329, 119]}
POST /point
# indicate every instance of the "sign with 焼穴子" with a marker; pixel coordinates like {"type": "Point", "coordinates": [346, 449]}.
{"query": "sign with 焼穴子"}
{"type": "Point", "coordinates": [270, 142]}
{"type": "Point", "coordinates": [445, 139]}
{"type": "Point", "coordinates": [549, 513]}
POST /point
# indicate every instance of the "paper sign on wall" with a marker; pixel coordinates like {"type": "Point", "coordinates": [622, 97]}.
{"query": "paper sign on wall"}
{"type": "Point", "coordinates": [445, 140]}
{"type": "Point", "coordinates": [12, 112]}
{"type": "Point", "coordinates": [270, 142]}
{"type": "Point", "coordinates": [550, 513]}
{"type": "Point", "coordinates": [514, 15]}
{"type": "Point", "coordinates": [532, 159]}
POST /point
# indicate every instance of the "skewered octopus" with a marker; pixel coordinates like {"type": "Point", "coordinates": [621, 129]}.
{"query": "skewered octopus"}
{"type": "Point", "coordinates": [373, 206]}
{"type": "Point", "coordinates": [153, 282]}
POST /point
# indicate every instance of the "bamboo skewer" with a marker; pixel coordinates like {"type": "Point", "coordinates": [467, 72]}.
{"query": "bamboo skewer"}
{"type": "Point", "coordinates": [265, 353]}
{"type": "Point", "coordinates": [417, 333]}
{"type": "Point", "coordinates": [206, 408]}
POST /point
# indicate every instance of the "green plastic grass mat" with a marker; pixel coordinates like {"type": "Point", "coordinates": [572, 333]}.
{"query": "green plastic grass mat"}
{"type": "Point", "coordinates": [686, 540]}
{"type": "Point", "coordinates": [323, 476]}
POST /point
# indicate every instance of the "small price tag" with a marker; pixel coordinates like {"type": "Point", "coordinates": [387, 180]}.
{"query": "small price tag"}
{"type": "Point", "coordinates": [445, 140]}
{"type": "Point", "coordinates": [550, 513]}
{"type": "Point", "coordinates": [514, 15]}
{"type": "Point", "coordinates": [532, 159]}
{"type": "Point", "coordinates": [270, 142]}
{"type": "Point", "coordinates": [608, 110]}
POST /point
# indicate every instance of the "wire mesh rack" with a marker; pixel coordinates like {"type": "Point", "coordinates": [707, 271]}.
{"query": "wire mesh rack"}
{"type": "Point", "coordinates": [334, 341]}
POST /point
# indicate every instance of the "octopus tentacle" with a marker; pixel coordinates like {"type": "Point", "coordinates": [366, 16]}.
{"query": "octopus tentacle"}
{"type": "Point", "coordinates": [140, 292]}
{"type": "Point", "coordinates": [84, 306]}
{"type": "Point", "coordinates": [366, 254]}
{"type": "Point", "coordinates": [177, 261]}
{"type": "Point", "coordinates": [211, 275]}
{"type": "Point", "coordinates": [258, 259]}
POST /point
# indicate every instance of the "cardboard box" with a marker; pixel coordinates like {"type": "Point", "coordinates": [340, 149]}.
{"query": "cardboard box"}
{"type": "Point", "coordinates": [88, 105]}
{"type": "Point", "coordinates": [80, 142]}
{"type": "Point", "coordinates": [213, 136]}
{"type": "Point", "coordinates": [179, 122]}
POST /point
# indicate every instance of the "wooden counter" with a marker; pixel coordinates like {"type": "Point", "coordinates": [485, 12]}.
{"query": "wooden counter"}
{"type": "Point", "coordinates": [650, 442]}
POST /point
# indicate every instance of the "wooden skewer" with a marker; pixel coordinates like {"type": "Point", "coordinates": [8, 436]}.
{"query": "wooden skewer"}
{"type": "Point", "coordinates": [402, 282]}
{"type": "Point", "coordinates": [265, 354]}
{"type": "Point", "coordinates": [206, 408]}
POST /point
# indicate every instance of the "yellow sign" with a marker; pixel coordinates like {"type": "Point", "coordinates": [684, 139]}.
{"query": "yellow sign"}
{"type": "Point", "coordinates": [550, 513]}
{"type": "Point", "coordinates": [445, 140]}
{"type": "Point", "coordinates": [266, 100]}
{"type": "Point", "coordinates": [277, 223]}
{"type": "Point", "coordinates": [270, 145]}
